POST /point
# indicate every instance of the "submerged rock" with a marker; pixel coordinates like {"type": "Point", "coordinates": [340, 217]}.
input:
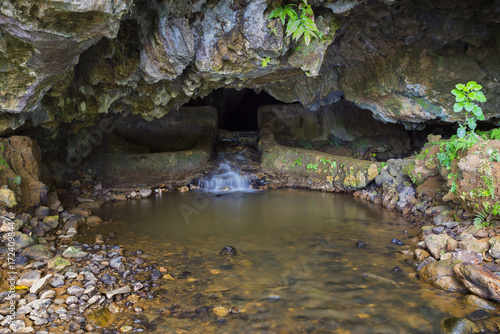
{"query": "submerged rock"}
{"type": "Point", "coordinates": [440, 274]}
{"type": "Point", "coordinates": [228, 250]}
{"type": "Point", "coordinates": [459, 326]}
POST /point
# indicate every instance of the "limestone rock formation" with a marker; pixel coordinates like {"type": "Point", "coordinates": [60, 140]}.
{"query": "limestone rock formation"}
{"type": "Point", "coordinates": [66, 61]}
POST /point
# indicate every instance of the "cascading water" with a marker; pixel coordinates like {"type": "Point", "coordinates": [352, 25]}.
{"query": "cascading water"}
{"type": "Point", "coordinates": [226, 178]}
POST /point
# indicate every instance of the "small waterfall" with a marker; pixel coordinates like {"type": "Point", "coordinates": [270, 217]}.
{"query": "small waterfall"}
{"type": "Point", "coordinates": [226, 178]}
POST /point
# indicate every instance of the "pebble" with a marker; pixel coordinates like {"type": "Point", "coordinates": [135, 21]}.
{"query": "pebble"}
{"type": "Point", "coordinates": [56, 282]}
{"type": "Point", "coordinates": [360, 244]}
{"type": "Point", "coordinates": [397, 242]}
{"type": "Point", "coordinates": [71, 300]}
{"type": "Point", "coordinates": [75, 290]}
{"type": "Point", "coordinates": [228, 250]}
{"type": "Point", "coordinates": [478, 315]}
{"type": "Point", "coordinates": [28, 278]}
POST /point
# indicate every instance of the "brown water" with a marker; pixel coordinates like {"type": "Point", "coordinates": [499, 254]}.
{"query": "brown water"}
{"type": "Point", "coordinates": [297, 269]}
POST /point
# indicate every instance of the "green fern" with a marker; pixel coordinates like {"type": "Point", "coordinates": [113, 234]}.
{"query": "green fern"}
{"type": "Point", "coordinates": [297, 26]}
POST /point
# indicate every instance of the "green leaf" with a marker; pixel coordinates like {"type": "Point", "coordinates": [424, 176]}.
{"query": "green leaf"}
{"type": "Point", "coordinates": [458, 107]}
{"type": "Point", "coordinates": [291, 12]}
{"type": "Point", "coordinates": [478, 87]}
{"type": "Point", "coordinates": [460, 97]}
{"type": "Point", "coordinates": [456, 92]}
{"type": "Point", "coordinates": [298, 33]}
{"type": "Point", "coordinates": [460, 86]}
{"type": "Point", "coordinates": [471, 85]}
{"type": "Point", "coordinates": [461, 132]}
{"type": "Point", "coordinates": [471, 122]}
{"type": "Point", "coordinates": [480, 97]}
{"type": "Point", "coordinates": [472, 95]}
{"type": "Point", "coordinates": [478, 112]}
{"type": "Point", "coordinates": [310, 24]}
{"type": "Point", "coordinates": [307, 37]}
{"type": "Point", "coordinates": [292, 27]}
{"type": "Point", "coordinates": [469, 106]}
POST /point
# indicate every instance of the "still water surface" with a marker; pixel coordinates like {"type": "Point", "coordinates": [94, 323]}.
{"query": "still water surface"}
{"type": "Point", "coordinates": [297, 270]}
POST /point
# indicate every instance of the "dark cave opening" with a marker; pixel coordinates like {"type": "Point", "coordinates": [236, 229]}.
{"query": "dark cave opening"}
{"type": "Point", "coordinates": [236, 109]}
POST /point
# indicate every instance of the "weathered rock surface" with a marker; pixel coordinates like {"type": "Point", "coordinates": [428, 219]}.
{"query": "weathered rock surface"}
{"type": "Point", "coordinates": [399, 60]}
{"type": "Point", "coordinates": [479, 280]}
{"type": "Point", "coordinates": [440, 274]}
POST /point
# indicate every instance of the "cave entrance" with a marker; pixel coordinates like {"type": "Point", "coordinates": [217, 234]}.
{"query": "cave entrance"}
{"type": "Point", "coordinates": [237, 109]}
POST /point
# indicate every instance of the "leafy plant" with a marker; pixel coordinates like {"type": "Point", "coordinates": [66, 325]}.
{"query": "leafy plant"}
{"type": "Point", "coordinates": [297, 25]}
{"type": "Point", "coordinates": [312, 166]}
{"type": "Point", "coordinates": [465, 97]}
{"type": "Point", "coordinates": [265, 61]}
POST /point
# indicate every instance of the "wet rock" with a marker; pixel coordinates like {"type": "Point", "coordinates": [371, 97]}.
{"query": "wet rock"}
{"type": "Point", "coordinates": [437, 243]}
{"type": "Point", "coordinates": [37, 252]}
{"type": "Point", "coordinates": [75, 290]}
{"type": "Point", "coordinates": [145, 193]}
{"type": "Point", "coordinates": [440, 274]}
{"type": "Point", "coordinates": [21, 260]}
{"type": "Point", "coordinates": [474, 246]}
{"type": "Point", "coordinates": [93, 220]}
{"type": "Point", "coordinates": [221, 311]}
{"type": "Point", "coordinates": [52, 221]}
{"type": "Point", "coordinates": [102, 318]}
{"type": "Point", "coordinates": [425, 262]}
{"type": "Point", "coordinates": [58, 263]}
{"type": "Point", "coordinates": [28, 278]}
{"type": "Point", "coordinates": [459, 326]}
{"type": "Point", "coordinates": [8, 198]}
{"type": "Point", "coordinates": [108, 279]}
{"type": "Point", "coordinates": [495, 247]}
{"type": "Point", "coordinates": [479, 280]}
{"type": "Point", "coordinates": [477, 301]}
{"type": "Point", "coordinates": [228, 250]}
{"type": "Point", "coordinates": [41, 212]}
{"type": "Point", "coordinates": [73, 252]}
{"type": "Point", "coordinates": [478, 315]}
{"type": "Point", "coordinates": [360, 244]}
{"type": "Point", "coordinates": [421, 254]}
{"type": "Point", "coordinates": [23, 241]}
{"type": "Point", "coordinates": [116, 262]}
{"type": "Point", "coordinates": [397, 242]}
{"type": "Point", "coordinates": [155, 275]}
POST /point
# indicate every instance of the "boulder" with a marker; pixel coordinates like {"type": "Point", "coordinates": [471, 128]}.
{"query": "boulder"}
{"type": "Point", "coordinates": [438, 243]}
{"type": "Point", "coordinates": [37, 252]}
{"type": "Point", "coordinates": [440, 274]}
{"type": "Point", "coordinates": [478, 280]}
{"type": "Point", "coordinates": [459, 326]}
{"type": "Point", "coordinates": [7, 198]}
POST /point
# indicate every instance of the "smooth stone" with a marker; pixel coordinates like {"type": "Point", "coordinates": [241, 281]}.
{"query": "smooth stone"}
{"type": "Point", "coordinates": [438, 229]}
{"type": "Point", "coordinates": [440, 275]}
{"type": "Point", "coordinates": [437, 243]}
{"type": "Point", "coordinates": [37, 252]}
{"type": "Point", "coordinates": [477, 301]}
{"type": "Point", "coordinates": [474, 246]}
{"type": "Point", "coordinates": [397, 242]}
{"type": "Point", "coordinates": [93, 220]}
{"type": "Point", "coordinates": [23, 241]}
{"type": "Point", "coordinates": [459, 326]}
{"type": "Point", "coordinates": [56, 282]}
{"type": "Point", "coordinates": [21, 260]}
{"type": "Point", "coordinates": [52, 221]}
{"type": "Point", "coordinates": [145, 193]}
{"type": "Point", "coordinates": [478, 315]}
{"type": "Point", "coordinates": [71, 300]}
{"type": "Point", "coordinates": [73, 252]}
{"type": "Point", "coordinates": [41, 212]}
{"type": "Point", "coordinates": [40, 303]}
{"type": "Point", "coordinates": [75, 290]}
{"type": "Point", "coordinates": [425, 262]}
{"type": "Point", "coordinates": [495, 247]}
{"type": "Point", "coordinates": [421, 254]}
{"type": "Point", "coordinates": [228, 250]}
{"type": "Point", "coordinates": [360, 244]}
{"type": "Point", "coordinates": [40, 283]}
{"type": "Point", "coordinates": [48, 294]}
{"type": "Point", "coordinates": [116, 262]}
{"type": "Point", "coordinates": [479, 280]}
{"type": "Point", "coordinates": [8, 197]}
{"type": "Point", "coordinates": [58, 263]}
{"type": "Point", "coordinates": [108, 279]}
{"type": "Point", "coordinates": [122, 290]}
{"type": "Point", "coordinates": [28, 278]}
{"type": "Point", "coordinates": [17, 325]}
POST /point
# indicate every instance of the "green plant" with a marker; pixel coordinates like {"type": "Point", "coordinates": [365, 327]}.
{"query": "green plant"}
{"type": "Point", "coordinates": [494, 155]}
{"type": "Point", "coordinates": [312, 166]}
{"type": "Point", "coordinates": [465, 97]}
{"type": "Point", "coordinates": [481, 219]}
{"type": "Point", "coordinates": [265, 61]}
{"type": "Point", "coordinates": [297, 25]}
